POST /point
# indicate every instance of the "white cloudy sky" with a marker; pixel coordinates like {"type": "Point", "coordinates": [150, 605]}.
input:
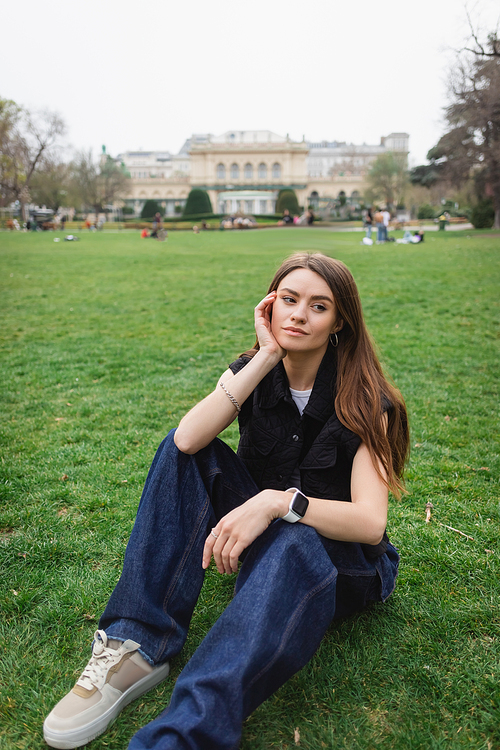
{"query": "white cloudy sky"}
{"type": "Point", "coordinates": [132, 75]}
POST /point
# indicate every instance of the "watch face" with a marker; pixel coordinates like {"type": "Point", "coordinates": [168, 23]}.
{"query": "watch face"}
{"type": "Point", "coordinates": [299, 504]}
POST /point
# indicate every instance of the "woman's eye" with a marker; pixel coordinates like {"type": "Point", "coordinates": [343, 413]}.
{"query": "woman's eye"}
{"type": "Point", "coordinates": [288, 299]}
{"type": "Point", "coordinates": [321, 308]}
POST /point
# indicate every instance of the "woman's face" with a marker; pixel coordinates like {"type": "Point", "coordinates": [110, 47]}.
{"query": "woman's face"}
{"type": "Point", "coordinates": [304, 312]}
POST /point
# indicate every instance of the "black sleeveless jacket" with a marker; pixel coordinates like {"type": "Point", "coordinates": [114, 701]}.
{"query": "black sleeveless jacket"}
{"type": "Point", "coordinates": [275, 439]}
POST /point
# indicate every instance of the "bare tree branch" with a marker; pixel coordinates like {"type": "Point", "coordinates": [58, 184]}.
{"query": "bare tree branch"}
{"type": "Point", "coordinates": [24, 138]}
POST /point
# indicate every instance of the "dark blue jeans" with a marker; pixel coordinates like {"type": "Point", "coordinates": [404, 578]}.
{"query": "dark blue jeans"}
{"type": "Point", "coordinates": [292, 583]}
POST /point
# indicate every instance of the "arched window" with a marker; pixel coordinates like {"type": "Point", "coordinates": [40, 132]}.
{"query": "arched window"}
{"type": "Point", "coordinates": [314, 199]}
{"type": "Point", "coordinates": [221, 172]}
{"type": "Point", "coordinates": [235, 171]}
{"type": "Point", "coordinates": [262, 171]}
{"type": "Point", "coordinates": [276, 171]}
{"type": "Point", "coordinates": [248, 172]}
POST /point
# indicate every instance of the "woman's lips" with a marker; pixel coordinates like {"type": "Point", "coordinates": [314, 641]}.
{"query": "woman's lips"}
{"type": "Point", "coordinates": [295, 332]}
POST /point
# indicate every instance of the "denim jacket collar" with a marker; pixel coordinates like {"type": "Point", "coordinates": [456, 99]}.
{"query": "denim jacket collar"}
{"type": "Point", "coordinates": [274, 387]}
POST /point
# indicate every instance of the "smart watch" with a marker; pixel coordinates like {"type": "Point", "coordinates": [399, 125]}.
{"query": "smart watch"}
{"type": "Point", "coordinates": [298, 506]}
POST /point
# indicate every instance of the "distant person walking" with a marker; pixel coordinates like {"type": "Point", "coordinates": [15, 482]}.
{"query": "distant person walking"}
{"type": "Point", "coordinates": [368, 223]}
{"type": "Point", "coordinates": [386, 217]}
{"type": "Point", "coordinates": [379, 223]}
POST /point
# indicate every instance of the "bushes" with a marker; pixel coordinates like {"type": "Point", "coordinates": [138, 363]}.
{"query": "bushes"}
{"type": "Point", "coordinates": [426, 211]}
{"type": "Point", "coordinates": [150, 208]}
{"type": "Point", "coordinates": [194, 217]}
{"type": "Point", "coordinates": [287, 199]}
{"type": "Point", "coordinates": [197, 203]}
{"type": "Point", "coordinates": [483, 215]}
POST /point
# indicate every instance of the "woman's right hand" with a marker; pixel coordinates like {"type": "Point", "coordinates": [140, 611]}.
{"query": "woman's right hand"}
{"type": "Point", "coordinates": [265, 336]}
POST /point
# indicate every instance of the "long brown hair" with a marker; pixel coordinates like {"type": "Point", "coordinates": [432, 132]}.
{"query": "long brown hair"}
{"type": "Point", "coordinates": [362, 388]}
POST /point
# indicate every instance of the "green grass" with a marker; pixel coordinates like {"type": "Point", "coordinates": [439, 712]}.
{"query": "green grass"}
{"type": "Point", "coordinates": [105, 343]}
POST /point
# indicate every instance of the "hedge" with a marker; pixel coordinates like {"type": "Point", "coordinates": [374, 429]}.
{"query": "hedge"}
{"type": "Point", "coordinates": [483, 215]}
{"type": "Point", "coordinates": [198, 203]}
{"type": "Point", "coordinates": [287, 199]}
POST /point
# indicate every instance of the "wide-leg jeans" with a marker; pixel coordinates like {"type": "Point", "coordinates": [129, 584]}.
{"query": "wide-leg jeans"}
{"type": "Point", "coordinates": [292, 583]}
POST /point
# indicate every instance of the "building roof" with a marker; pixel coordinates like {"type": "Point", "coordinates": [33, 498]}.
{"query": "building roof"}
{"type": "Point", "coordinates": [249, 136]}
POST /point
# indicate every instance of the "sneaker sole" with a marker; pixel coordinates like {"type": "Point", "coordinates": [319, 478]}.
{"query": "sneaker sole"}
{"type": "Point", "coordinates": [82, 735]}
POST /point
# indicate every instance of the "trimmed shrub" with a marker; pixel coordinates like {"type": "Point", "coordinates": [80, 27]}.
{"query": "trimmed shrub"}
{"type": "Point", "coordinates": [198, 202]}
{"type": "Point", "coordinates": [426, 211]}
{"type": "Point", "coordinates": [194, 217]}
{"type": "Point", "coordinates": [287, 199]}
{"type": "Point", "coordinates": [127, 211]}
{"type": "Point", "coordinates": [483, 215]}
{"type": "Point", "coordinates": [150, 208]}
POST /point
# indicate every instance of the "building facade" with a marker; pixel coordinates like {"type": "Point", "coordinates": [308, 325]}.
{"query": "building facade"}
{"type": "Point", "coordinates": [245, 170]}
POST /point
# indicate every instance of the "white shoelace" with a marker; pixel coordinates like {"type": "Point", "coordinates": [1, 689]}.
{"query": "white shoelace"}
{"type": "Point", "coordinates": [103, 658]}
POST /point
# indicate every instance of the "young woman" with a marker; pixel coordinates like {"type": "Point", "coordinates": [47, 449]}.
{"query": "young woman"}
{"type": "Point", "coordinates": [303, 506]}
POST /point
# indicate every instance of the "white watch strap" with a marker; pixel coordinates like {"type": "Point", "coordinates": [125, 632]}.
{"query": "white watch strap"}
{"type": "Point", "coordinates": [291, 517]}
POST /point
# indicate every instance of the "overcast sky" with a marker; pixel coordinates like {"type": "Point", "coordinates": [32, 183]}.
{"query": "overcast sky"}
{"type": "Point", "coordinates": [133, 75]}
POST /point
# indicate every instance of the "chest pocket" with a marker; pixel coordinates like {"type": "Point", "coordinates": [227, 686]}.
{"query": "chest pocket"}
{"type": "Point", "coordinates": [260, 440]}
{"type": "Point", "coordinates": [320, 457]}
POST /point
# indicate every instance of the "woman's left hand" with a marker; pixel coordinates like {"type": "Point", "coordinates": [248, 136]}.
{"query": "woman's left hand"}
{"type": "Point", "coordinates": [239, 528]}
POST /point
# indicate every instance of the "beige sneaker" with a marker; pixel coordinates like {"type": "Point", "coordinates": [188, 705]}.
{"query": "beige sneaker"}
{"type": "Point", "coordinates": [115, 675]}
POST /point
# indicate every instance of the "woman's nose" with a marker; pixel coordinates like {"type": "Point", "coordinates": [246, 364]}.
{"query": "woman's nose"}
{"type": "Point", "coordinates": [298, 314]}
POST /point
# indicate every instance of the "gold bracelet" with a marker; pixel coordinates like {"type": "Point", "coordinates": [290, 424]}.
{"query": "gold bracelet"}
{"type": "Point", "coordinates": [231, 398]}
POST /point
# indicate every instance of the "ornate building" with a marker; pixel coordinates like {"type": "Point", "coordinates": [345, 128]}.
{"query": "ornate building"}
{"type": "Point", "coordinates": [244, 170]}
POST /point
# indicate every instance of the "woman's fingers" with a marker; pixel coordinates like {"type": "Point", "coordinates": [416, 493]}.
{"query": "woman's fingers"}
{"type": "Point", "coordinates": [226, 551]}
{"type": "Point", "coordinates": [237, 530]}
{"type": "Point", "coordinates": [263, 324]}
{"type": "Point", "coordinates": [208, 549]}
{"type": "Point", "coordinates": [266, 301]}
{"type": "Point", "coordinates": [263, 309]}
{"type": "Point", "coordinates": [232, 557]}
{"type": "Point", "coordinates": [207, 554]}
{"type": "Point", "coordinates": [220, 548]}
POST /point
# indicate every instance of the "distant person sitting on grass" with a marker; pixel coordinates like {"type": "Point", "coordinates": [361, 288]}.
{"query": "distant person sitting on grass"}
{"type": "Point", "coordinates": [287, 219]}
{"type": "Point", "coordinates": [303, 505]}
{"type": "Point", "coordinates": [156, 226]}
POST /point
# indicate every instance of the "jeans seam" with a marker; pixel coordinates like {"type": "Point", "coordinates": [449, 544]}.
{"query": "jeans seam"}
{"type": "Point", "coordinates": [291, 624]}
{"type": "Point", "coordinates": [178, 571]}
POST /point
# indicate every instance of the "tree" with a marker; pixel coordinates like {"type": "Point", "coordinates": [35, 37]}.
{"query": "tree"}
{"type": "Point", "coordinates": [388, 179]}
{"type": "Point", "coordinates": [483, 215]}
{"type": "Point", "coordinates": [50, 184]}
{"type": "Point", "coordinates": [150, 208]}
{"type": "Point", "coordinates": [470, 149]}
{"type": "Point", "coordinates": [198, 202]}
{"type": "Point", "coordinates": [25, 139]}
{"type": "Point", "coordinates": [97, 183]}
{"type": "Point", "coordinates": [427, 174]}
{"type": "Point", "coordinates": [287, 199]}
{"type": "Point", "coordinates": [9, 116]}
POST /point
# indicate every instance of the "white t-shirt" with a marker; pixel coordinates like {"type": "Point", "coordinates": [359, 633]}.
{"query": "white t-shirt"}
{"type": "Point", "coordinates": [301, 398]}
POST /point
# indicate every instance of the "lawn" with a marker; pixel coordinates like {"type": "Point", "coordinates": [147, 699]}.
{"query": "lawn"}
{"type": "Point", "coordinates": [108, 341]}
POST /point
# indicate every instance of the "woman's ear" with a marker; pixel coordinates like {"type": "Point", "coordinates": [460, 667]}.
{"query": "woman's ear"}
{"type": "Point", "coordinates": [339, 324]}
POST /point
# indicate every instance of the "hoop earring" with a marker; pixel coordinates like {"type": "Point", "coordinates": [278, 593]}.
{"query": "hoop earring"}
{"type": "Point", "coordinates": [336, 340]}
